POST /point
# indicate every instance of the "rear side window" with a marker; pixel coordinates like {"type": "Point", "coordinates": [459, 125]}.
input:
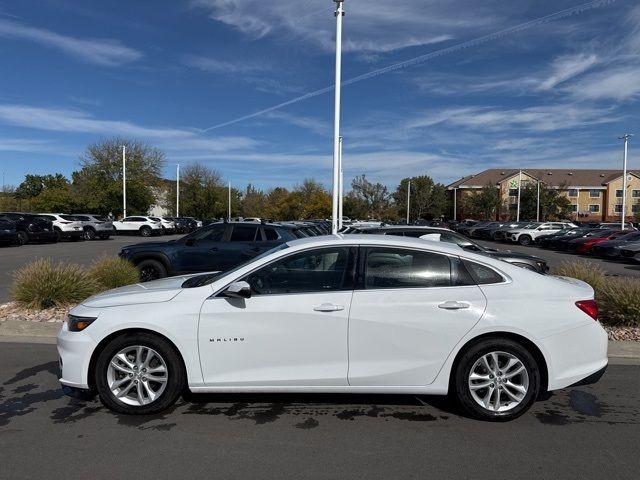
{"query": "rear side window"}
{"type": "Point", "coordinates": [403, 268]}
{"type": "Point", "coordinates": [243, 233]}
{"type": "Point", "coordinates": [482, 275]}
{"type": "Point", "coordinates": [270, 234]}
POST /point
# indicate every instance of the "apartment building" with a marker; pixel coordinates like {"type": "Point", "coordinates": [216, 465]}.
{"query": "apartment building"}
{"type": "Point", "coordinates": [596, 195]}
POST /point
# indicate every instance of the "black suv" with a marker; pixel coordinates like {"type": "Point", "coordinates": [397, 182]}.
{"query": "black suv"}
{"type": "Point", "coordinates": [32, 228]}
{"type": "Point", "coordinates": [530, 262]}
{"type": "Point", "coordinates": [8, 233]}
{"type": "Point", "coordinates": [216, 247]}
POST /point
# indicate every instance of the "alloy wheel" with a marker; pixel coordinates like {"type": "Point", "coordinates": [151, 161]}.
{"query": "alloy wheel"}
{"type": "Point", "coordinates": [137, 375]}
{"type": "Point", "coordinates": [498, 381]}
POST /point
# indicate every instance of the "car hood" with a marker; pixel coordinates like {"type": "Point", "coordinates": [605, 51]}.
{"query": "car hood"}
{"type": "Point", "coordinates": [148, 245]}
{"type": "Point", "coordinates": [157, 291]}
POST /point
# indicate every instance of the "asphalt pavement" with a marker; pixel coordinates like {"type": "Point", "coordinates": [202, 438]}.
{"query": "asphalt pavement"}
{"type": "Point", "coordinates": [583, 432]}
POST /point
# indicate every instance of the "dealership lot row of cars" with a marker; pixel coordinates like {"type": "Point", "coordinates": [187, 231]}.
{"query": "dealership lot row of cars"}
{"type": "Point", "coordinates": [21, 228]}
{"type": "Point", "coordinates": [604, 240]}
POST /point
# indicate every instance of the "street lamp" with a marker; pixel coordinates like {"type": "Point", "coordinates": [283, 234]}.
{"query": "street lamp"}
{"type": "Point", "coordinates": [340, 188]}
{"type": "Point", "coordinates": [124, 181]}
{"type": "Point", "coordinates": [339, 13]}
{"type": "Point", "coordinates": [626, 138]}
{"type": "Point", "coordinates": [178, 190]}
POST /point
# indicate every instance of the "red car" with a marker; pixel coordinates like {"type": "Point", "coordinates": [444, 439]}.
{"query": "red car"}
{"type": "Point", "coordinates": [584, 245]}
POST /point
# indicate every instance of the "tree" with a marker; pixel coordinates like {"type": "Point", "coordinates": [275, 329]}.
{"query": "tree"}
{"type": "Point", "coordinates": [484, 203]}
{"type": "Point", "coordinates": [202, 193]}
{"type": "Point", "coordinates": [553, 205]}
{"type": "Point", "coordinates": [34, 185]}
{"type": "Point", "coordinates": [254, 203]}
{"type": "Point", "coordinates": [428, 199]}
{"type": "Point", "coordinates": [374, 195]}
{"type": "Point", "coordinates": [56, 200]}
{"type": "Point", "coordinates": [98, 183]}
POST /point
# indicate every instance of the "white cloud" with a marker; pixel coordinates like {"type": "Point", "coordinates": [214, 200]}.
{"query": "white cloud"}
{"type": "Point", "coordinates": [106, 52]}
{"type": "Point", "coordinates": [616, 83]}
{"type": "Point", "coordinates": [213, 65]}
{"type": "Point", "coordinates": [370, 25]}
{"type": "Point", "coordinates": [23, 145]}
{"type": "Point", "coordinates": [566, 67]}
{"type": "Point", "coordinates": [315, 125]}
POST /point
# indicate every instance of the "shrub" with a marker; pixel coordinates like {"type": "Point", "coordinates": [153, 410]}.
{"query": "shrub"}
{"type": "Point", "coordinates": [113, 272]}
{"type": "Point", "coordinates": [585, 271]}
{"type": "Point", "coordinates": [43, 284]}
{"type": "Point", "coordinates": [618, 298]}
{"type": "Point", "coordinates": [619, 301]}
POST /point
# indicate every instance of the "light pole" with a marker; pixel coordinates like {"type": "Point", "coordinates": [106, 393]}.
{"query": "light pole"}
{"type": "Point", "coordinates": [124, 181]}
{"type": "Point", "coordinates": [626, 138]}
{"type": "Point", "coordinates": [340, 189]}
{"type": "Point", "coordinates": [519, 185]}
{"type": "Point", "coordinates": [339, 13]}
{"type": "Point", "coordinates": [229, 203]}
{"type": "Point", "coordinates": [178, 190]}
{"type": "Point", "coordinates": [538, 203]}
{"type": "Point", "coordinates": [408, 199]}
{"type": "Point", "coordinates": [455, 204]}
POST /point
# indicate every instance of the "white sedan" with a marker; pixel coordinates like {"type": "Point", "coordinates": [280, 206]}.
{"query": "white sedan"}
{"type": "Point", "coordinates": [355, 314]}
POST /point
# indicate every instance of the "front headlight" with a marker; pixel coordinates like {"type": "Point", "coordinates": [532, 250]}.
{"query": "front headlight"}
{"type": "Point", "coordinates": [77, 324]}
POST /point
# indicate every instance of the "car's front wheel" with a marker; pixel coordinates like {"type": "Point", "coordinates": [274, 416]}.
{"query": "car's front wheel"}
{"type": "Point", "coordinates": [151, 270]}
{"type": "Point", "coordinates": [497, 380]}
{"type": "Point", "coordinates": [139, 373]}
{"type": "Point", "coordinates": [524, 240]}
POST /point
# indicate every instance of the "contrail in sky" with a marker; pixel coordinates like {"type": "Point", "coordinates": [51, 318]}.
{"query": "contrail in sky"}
{"type": "Point", "coordinates": [426, 57]}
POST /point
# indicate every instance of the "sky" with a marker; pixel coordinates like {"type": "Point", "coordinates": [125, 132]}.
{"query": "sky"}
{"type": "Point", "coordinates": [245, 86]}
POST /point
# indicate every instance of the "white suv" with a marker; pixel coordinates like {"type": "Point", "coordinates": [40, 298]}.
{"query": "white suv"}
{"type": "Point", "coordinates": [526, 235]}
{"type": "Point", "coordinates": [66, 226]}
{"type": "Point", "coordinates": [96, 226]}
{"type": "Point", "coordinates": [145, 226]}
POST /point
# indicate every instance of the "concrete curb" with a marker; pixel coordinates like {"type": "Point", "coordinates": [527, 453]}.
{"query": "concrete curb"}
{"type": "Point", "coordinates": [34, 332]}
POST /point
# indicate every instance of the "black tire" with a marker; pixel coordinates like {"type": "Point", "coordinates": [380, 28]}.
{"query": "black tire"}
{"type": "Point", "coordinates": [524, 240]}
{"type": "Point", "coordinates": [175, 372]}
{"type": "Point", "coordinates": [23, 238]}
{"type": "Point", "coordinates": [145, 231]}
{"type": "Point", "coordinates": [58, 235]}
{"type": "Point", "coordinates": [151, 269]}
{"type": "Point", "coordinates": [89, 234]}
{"type": "Point", "coordinates": [460, 379]}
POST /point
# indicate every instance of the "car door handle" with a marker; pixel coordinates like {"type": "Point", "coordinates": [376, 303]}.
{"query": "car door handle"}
{"type": "Point", "coordinates": [454, 305]}
{"type": "Point", "coordinates": [328, 307]}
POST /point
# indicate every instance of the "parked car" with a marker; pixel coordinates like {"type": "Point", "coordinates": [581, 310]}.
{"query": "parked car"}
{"type": "Point", "coordinates": [67, 227]}
{"type": "Point", "coordinates": [631, 251]}
{"type": "Point", "coordinates": [216, 247]}
{"type": "Point", "coordinates": [526, 235]}
{"type": "Point", "coordinates": [32, 228]}
{"type": "Point", "coordinates": [145, 226]}
{"type": "Point", "coordinates": [562, 242]}
{"type": "Point", "coordinates": [584, 245]}
{"type": "Point", "coordinates": [96, 226]}
{"type": "Point", "coordinates": [545, 241]}
{"type": "Point", "coordinates": [167, 223]}
{"type": "Point", "coordinates": [8, 232]}
{"type": "Point", "coordinates": [611, 248]}
{"type": "Point", "coordinates": [617, 225]}
{"type": "Point", "coordinates": [530, 262]}
{"type": "Point", "coordinates": [497, 232]}
{"type": "Point", "coordinates": [348, 314]}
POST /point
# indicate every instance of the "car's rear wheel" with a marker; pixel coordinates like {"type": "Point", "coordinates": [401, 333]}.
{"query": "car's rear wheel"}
{"type": "Point", "coordinates": [524, 240]}
{"type": "Point", "coordinates": [139, 373]}
{"type": "Point", "coordinates": [497, 380]}
{"type": "Point", "coordinates": [151, 270]}
{"type": "Point", "coordinates": [89, 234]}
{"type": "Point", "coordinates": [23, 238]}
{"type": "Point", "coordinates": [145, 231]}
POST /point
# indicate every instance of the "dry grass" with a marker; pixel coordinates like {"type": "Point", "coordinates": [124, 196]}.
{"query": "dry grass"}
{"type": "Point", "coordinates": [113, 272]}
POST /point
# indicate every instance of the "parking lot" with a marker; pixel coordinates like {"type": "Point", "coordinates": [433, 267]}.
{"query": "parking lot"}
{"type": "Point", "coordinates": [85, 252]}
{"type": "Point", "coordinates": [582, 432]}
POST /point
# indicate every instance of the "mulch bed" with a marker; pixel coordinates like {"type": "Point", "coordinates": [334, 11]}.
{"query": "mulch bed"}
{"type": "Point", "coordinates": [13, 311]}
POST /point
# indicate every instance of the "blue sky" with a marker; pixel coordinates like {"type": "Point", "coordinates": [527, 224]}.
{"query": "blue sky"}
{"type": "Point", "coordinates": [557, 93]}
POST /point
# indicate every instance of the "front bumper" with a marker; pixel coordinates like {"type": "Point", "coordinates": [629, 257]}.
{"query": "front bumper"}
{"type": "Point", "coordinates": [74, 350]}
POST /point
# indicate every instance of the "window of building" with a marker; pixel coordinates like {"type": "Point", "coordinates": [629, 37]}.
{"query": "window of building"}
{"type": "Point", "coordinates": [594, 208]}
{"type": "Point", "coordinates": [618, 193]}
{"type": "Point", "coordinates": [574, 207]}
{"type": "Point", "coordinates": [594, 193]}
{"type": "Point", "coordinates": [635, 193]}
{"type": "Point", "coordinates": [513, 192]}
{"type": "Point", "coordinates": [573, 192]}
{"type": "Point", "coordinates": [617, 208]}
{"type": "Point", "coordinates": [635, 208]}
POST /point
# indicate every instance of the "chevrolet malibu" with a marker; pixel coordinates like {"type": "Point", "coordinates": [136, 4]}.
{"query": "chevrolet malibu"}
{"type": "Point", "coordinates": [352, 314]}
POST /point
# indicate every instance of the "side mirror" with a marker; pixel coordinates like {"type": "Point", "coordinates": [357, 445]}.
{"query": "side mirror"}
{"type": "Point", "coordinates": [238, 290]}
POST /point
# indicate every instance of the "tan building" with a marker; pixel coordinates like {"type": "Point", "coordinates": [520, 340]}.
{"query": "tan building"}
{"type": "Point", "coordinates": [596, 195]}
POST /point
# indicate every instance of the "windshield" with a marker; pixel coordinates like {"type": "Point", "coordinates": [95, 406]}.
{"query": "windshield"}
{"type": "Point", "coordinates": [209, 278]}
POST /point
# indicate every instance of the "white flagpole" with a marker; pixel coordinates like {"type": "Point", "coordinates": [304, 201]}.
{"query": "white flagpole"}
{"type": "Point", "coordinates": [336, 122]}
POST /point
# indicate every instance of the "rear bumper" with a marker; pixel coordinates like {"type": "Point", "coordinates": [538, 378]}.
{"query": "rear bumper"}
{"type": "Point", "coordinates": [591, 379]}
{"type": "Point", "coordinates": [72, 233]}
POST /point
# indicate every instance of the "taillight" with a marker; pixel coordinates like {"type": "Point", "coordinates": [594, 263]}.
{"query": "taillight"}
{"type": "Point", "coordinates": [590, 307]}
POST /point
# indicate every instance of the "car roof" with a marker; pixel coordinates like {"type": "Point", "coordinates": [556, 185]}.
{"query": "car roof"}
{"type": "Point", "coordinates": [386, 240]}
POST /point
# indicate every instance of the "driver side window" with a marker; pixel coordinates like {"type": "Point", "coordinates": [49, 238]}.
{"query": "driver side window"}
{"type": "Point", "coordinates": [318, 270]}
